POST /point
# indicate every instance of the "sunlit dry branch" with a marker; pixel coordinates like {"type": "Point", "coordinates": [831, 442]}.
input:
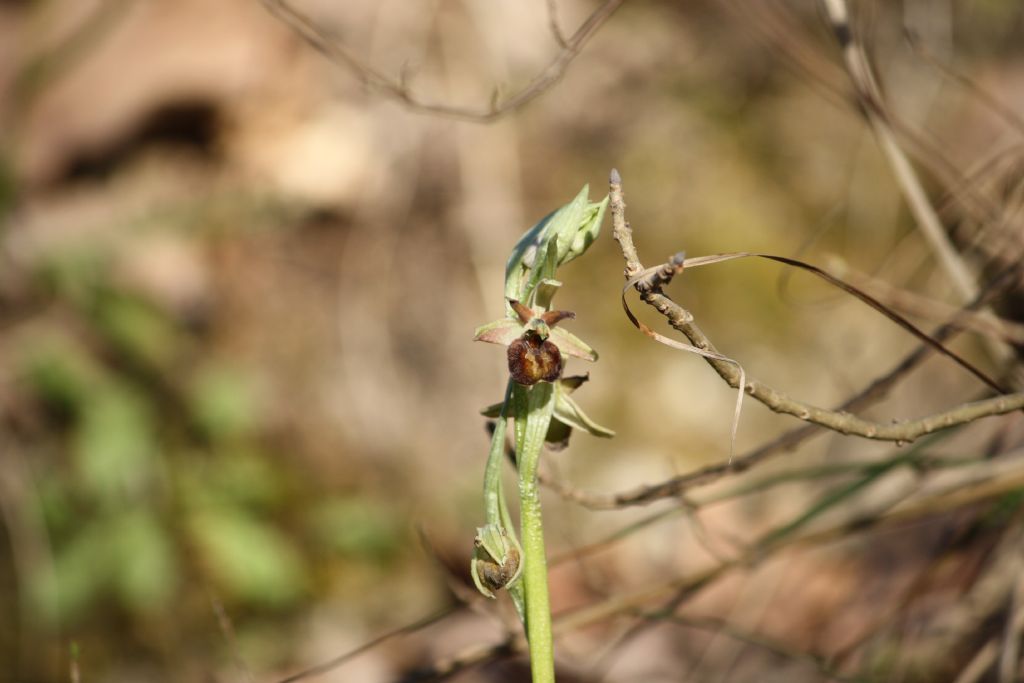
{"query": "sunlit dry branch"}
{"type": "Point", "coordinates": [227, 629]}
{"type": "Point", "coordinates": [344, 658]}
{"type": "Point", "coordinates": [716, 625]}
{"type": "Point", "coordinates": [844, 423]}
{"type": "Point", "coordinates": [980, 663]}
{"type": "Point", "coordinates": [773, 25]}
{"type": "Point", "coordinates": [554, 25]}
{"type": "Point", "coordinates": [398, 88]}
{"type": "Point", "coordinates": [875, 390]}
{"type": "Point", "coordinates": [991, 480]}
{"type": "Point", "coordinates": [962, 622]}
{"type": "Point", "coordinates": [911, 303]}
{"type": "Point", "coordinates": [1009, 659]}
{"type": "Point", "coordinates": [1009, 116]}
{"type": "Point", "coordinates": [874, 110]}
{"type": "Point", "coordinates": [683, 587]}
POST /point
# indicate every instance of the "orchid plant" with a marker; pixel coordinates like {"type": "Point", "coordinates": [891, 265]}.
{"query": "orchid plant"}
{"type": "Point", "coordinates": [537, 400]}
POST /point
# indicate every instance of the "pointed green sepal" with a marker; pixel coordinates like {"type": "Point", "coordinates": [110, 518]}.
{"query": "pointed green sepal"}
{"type": "Point", "coordinates": [571, 345]}
{"type": "Point", "coordinates": [502, 331]}
{"type": "Point", "coordinates": [568, 412]}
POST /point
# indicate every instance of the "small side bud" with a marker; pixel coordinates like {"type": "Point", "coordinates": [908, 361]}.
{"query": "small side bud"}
{"type": "Point", "coordinates": [496, 560]}
{"type": "Point", "coordinates": [494, 576]}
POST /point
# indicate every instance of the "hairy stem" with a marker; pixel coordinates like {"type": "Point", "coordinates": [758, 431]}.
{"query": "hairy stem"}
{"type": "Point", "coordinates": [536, 404]}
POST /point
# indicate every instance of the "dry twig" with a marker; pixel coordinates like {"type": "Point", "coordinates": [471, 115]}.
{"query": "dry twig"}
{"type": "Point", "coordinates": [837, 420]}
{"type": "Point", "coordinates": [872, 104]}
{"type": "Point", "coordinates": [397, 88]}
{"type": "Point", "coordinates": [870, 97]}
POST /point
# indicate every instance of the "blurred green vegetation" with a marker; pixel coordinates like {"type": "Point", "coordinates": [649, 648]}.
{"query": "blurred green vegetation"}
{"type": "Point", "coordinates": [156, 472]}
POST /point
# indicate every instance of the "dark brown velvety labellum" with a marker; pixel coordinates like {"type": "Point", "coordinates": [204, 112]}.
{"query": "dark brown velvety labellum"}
{"type": "Point", "coordinates": [531, 360]}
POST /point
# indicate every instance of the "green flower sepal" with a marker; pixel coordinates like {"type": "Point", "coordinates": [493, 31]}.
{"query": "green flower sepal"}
{"type": "Point", "coordinates": [535, 344]}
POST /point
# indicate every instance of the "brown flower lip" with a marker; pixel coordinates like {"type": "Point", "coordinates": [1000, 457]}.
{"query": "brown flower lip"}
{"type": "Point", "coordinates": [532, 359]}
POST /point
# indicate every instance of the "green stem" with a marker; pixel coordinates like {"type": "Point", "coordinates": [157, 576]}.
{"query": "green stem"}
{"type": "Point", "coordinates": [493, 499]}
{"type": "Point", "coordinates": [536, 404]}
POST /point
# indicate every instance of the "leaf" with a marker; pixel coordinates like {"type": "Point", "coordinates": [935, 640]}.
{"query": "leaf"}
{"type": "Point", "coordinates": [222, 401]}
{"type": "Point", "coordinates": [356, 526]}
{"type": "Point", "coordinates": [136, 328]}
{"type": "Point", "coordinates": [248, 558]}
{"type": "Point", "coordinates": [60, 372]}
{"type": "Point", "coordinates": [115, 444]}
{"type": "Point", "coordinates": [145, 560]}
{"type": "Point", "coordinates": [81, 570]}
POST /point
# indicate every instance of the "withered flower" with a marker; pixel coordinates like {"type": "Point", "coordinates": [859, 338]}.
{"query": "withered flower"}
{"type": "Point", "coordinates": [532, 359]}
{"type": "Point", "coordinates": [496, 559]}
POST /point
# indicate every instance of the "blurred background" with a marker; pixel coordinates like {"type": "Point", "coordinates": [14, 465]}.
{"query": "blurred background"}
{"type": "Point", "coordinates": [239, 401]}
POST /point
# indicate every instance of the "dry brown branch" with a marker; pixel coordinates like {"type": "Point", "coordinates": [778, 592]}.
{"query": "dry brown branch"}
{"type": "Point", "coordinates": [340, 660]}
{"type": "Point", "coordinates": [445, 668]}
{"type": "Point", "coordinates": [780, 649]}
{"type": "Point", "coordinates": [784, 34]}
{"type": "Point", "coordinates": [996, 481]}
{"type": "Point", "coordinates": [911, 303]}
{"type": "Point", "coordinates": [554, 26]}
{"type": "Point", "coordinates": [1009, 658]}
{"type": "Point", "coordinates": [839, 421]}
{"type": "Point", "coordinates": [844, 423]}
{"type": "Point", "coordinates": [397, 88]}
{"type": "Point", "coordinates": [870, 97]}
{"type": "Point", "coordinates": [873, 392]}
{"type": "Point", "coordinates": [982, 660]}
{"type": "Point", "coordinates": [971, 493]}
{"type": "Point", "coordinates": [227, 630]}
{"type": "Point", "coordinates": [1009, 116]}
{"type": "Point", "coordinates": [882, 125]}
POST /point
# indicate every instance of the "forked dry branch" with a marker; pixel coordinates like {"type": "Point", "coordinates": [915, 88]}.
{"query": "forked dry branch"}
{"type": "Point", "coordinates": [399, 89]}
{"type": "Point", "coordinates": [838, 420]}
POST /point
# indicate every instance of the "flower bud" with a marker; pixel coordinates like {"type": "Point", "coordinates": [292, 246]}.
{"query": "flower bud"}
{"type": "Point", "coordinates": [496, 576]}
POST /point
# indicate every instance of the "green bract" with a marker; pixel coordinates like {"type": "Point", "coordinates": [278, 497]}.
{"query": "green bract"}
{"type": "Point", "coordinates": [569, 230]}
